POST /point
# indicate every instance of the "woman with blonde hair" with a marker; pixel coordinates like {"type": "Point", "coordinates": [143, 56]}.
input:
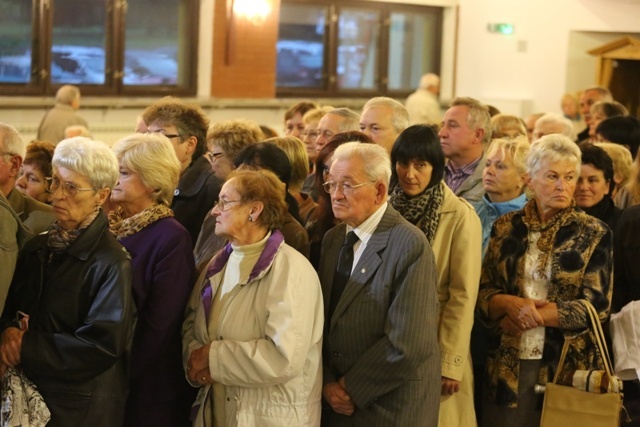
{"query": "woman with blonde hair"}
{"type": "Point", "coordinates": [504, 181]}
{"type": "Point", "coordinates": [163, 274]}
{"type": "Point", "coordinates": [622, 165]}
{"type": "Point", "coordinates": [507, 126]}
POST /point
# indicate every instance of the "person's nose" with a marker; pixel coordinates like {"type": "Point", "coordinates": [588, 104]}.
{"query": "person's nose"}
{"type": "Point", "coordinates": [411, 171]}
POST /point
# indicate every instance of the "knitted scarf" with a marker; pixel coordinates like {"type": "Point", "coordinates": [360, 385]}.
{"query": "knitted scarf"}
{"type": "Point", "coordinates": [122, 227]}
{"type": "Point", "coordinates": [422, 210]}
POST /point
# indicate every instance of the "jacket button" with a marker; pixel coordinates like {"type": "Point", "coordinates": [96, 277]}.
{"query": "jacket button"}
{"type": "Point", "coordinates": [336, 354]}
{"type": "Point", "coordinates": [220, 337]}
{"type": "Point", "coordinates": [228, 399]}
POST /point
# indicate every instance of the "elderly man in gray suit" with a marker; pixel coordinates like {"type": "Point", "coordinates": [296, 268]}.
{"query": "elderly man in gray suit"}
{"type": "Point", "coordinates": [381, 358]}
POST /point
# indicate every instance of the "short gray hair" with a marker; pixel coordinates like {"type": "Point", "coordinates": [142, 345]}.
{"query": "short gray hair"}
{"type": "Point", "coordinates": [400, 115]}
{"type": "Point", "coordinates": [479, 117]}
{"type": "Point", "coordinates": [351, 119]}
{"type": "Point", "coordinates": [153, 159]}
{"type": "Point", "coordinates": [12, 141]}
{"type": "Point", "coordinates": [429, 80]}
{"type": "Point", "coordinates": [376, 160]}
{"type": "Point", "coordinates": [92, 159]}
{"type": "Point", "coordinates": [67, 94]}
{"type": "Point", "coordinates": [603, 92]}
{"type": "Point", "coordinates": [555, 118]}
{"type": "Point", "coordinates": [553, 148]}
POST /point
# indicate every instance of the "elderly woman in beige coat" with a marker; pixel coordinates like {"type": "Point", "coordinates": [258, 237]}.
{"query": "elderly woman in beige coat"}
{"type": "Point", "coordinates": [454, 231]}
{"type": "Point", "coordinates": [252, 338]}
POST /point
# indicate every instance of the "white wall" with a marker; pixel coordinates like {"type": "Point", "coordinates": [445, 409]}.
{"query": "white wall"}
{"type": "Point", "coordinates": [490, 67]}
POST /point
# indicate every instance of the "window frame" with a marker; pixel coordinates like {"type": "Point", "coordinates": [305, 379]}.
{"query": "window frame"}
{"type": "Point", "coordinates": [115, 27]}
{"type": "Point", "coordinates": [329, 73]}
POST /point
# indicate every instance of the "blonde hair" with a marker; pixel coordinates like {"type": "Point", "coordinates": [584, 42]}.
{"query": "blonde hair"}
{"type": "Point", "coordinates": [153, 159]}
{"type": "Point", "coordinates": [507, 126]}
{"type": "Point", "coordinates": [298, 157]}
{"type": "Point", "coordinates": [316, 114]}
{"type": "Point", "coordinates": [233, 135]}
{"type": "Point", "coordinates": [516, 148]}
{"type": "Point", "coordinates": [622, 161]}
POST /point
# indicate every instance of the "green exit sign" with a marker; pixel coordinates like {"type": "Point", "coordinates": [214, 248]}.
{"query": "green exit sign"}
{"type": "Point", "coordinates": [505, 29]}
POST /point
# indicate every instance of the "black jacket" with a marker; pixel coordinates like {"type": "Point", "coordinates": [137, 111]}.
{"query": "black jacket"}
{"type": "Point", "coordinates": [197, 191]}
{"type": "Point", "coordinates": [81, 310]}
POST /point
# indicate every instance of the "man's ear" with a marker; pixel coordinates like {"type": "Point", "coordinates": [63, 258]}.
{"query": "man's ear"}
{"type": "Point", "coordinates": [381, 192]}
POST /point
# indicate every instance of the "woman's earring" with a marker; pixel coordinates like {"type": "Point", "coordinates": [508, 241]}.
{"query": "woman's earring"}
{"type": "Point", "coordinates": [250, 218]}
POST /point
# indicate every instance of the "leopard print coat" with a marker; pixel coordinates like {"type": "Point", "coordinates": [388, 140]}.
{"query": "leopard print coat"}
{"type": "Point", "coordinates": [579, 249]}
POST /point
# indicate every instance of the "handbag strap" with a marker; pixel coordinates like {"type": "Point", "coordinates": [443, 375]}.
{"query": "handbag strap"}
{"type": "Point", "coordinates": [594, 320]}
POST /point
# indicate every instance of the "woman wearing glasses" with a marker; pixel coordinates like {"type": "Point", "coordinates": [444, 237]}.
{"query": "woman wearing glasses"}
{"type": "Point", "coordinates": [36, 171]}
{"type": "Point", "coordinates": [253, 331]}
{"type": "Point", "coordinates": [163, 275]}
{"type": "Point", "coordinates": [68, 319]}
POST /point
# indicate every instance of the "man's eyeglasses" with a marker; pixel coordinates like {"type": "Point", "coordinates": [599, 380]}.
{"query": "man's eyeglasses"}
{"type": "Point", "coordinates": [346, 188]}
{"type": "Point", "coordinates": [223, 205]}
{"type": "Point", "coordinates": [69, 189]}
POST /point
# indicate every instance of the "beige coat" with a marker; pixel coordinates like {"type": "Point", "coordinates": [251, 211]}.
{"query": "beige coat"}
{"type": "Point", "coordinates": [458, 250]}
{"type": "Point", "coordinates": [267, 345]}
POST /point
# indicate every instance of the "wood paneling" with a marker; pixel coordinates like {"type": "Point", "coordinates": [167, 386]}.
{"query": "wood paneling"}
{"type": "Point", "coordinates": [244, 54]}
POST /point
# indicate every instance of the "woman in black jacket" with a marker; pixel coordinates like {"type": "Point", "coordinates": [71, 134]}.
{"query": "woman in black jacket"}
{"type": "Point", "coordinates": [68, 320]}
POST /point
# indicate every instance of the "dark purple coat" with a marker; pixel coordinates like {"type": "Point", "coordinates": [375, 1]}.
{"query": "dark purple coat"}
{"type": "Point", "coordinates": [163, 275]}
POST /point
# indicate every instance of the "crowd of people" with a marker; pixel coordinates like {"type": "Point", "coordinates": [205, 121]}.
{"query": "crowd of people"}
{"type": "Point", "coordinates": [398, 266]}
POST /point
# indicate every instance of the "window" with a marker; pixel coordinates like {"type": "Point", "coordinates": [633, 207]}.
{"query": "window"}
{"type": "Point", "coordinates": [351, 48]}
{"type": "Point", "coordinates": [107, 47]}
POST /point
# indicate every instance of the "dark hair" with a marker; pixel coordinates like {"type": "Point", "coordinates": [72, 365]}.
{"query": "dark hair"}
{"type": "Point", "coordinates": [300, 108]}
{"type": "Point", "coordinates": [419, 142]}
{"type": "Point", "coordinates": [599, 159]}
{"type": "Point", "coordinates": [265, 155]}
{"type": "Point", "coordinates": [622, 130]}
{"type": "Point", "coordinates": [188, 119]}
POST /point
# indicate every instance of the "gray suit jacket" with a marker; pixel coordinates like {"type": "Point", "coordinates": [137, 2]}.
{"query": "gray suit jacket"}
{"type": "Point", "coordinates": [383, 334]}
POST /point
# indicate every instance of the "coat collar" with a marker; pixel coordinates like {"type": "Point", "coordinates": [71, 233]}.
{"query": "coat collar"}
{"type": "Point", "coordinates": [194, 178]}
{"type": "Point", "coordinates": [264, 261]}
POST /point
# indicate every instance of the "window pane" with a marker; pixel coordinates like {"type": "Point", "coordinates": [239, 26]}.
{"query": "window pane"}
{"type": "Point", "coordinates": [300, 46]}
{"type": "Point", "coordinates": [78, 45]}
{"type": "Point", "coordinates": [15, 41]}
{"type": "Point", "coordinates": [415, 52]}
{"type": "Point", "coordinates": [157, 45]}
{"type": "Point", "coordinates": [358, 33]}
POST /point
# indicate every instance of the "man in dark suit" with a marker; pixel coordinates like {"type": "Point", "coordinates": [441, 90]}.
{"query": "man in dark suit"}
{"type": "Point", "coordinates": [381, 356]}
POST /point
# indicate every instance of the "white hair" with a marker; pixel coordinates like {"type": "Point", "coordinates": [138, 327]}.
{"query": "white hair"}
{"type": "Point", "coordinates": [429, 80]}
{"type": "Point", "coordinates": [375, 159]}
{"type": "Point", "coordinates": [89, 158]}
{"type": "Point", "coordinates": [12, 141]}
{"type": "Point", "coordinates": [553, 148]}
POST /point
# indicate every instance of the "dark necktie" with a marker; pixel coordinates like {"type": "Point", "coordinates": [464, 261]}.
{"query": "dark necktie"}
{"type": "Point", "coordinates": [343, 272]}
